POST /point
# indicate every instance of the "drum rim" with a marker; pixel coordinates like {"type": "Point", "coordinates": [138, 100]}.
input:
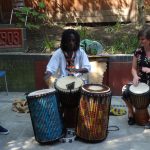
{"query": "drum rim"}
{"type": "Point", "coordinates": [138, 93]}
{"type": "Point", "coordinates": [39, 95]}
{"type": "Point", "coordinates": [66, 90]}
{"type": "Point", "coordinates": [92, 92]}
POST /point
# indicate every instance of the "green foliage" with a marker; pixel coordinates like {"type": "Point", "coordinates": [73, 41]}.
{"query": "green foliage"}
{"type": "Point", "coordinates": [35, 18]}
{"type": "Point", "coordinates": [49, 45]}
{"type": "Point", "coordinates": [36, 21]}
{"type": "Point", "coordinates": [41, 5]}
{"type": "Point", "coordinates": [122, 41]}
{"type": "Point", "coordinates": [124, 44]}
{"type": "Point", "coordinates": [113, 29]}
{"type": "Point", "coordinates": [83, 32]}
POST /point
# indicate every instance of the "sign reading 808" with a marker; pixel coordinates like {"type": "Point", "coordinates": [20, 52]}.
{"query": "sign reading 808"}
{"type": "Point", "coordinates": [11, 38]}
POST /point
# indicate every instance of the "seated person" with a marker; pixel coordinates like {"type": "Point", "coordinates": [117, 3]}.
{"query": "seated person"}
{"type": "Point", "coordinates": [140, 70]}
{"type": "Point", "coordinates": [70, 59]}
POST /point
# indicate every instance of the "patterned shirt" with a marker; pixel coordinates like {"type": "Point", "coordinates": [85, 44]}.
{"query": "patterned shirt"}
{"type": "Point", "coordinates": [142, 61]}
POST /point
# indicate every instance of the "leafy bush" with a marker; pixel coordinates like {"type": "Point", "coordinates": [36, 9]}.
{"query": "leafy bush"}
{"type": "Point", "coordinates": [35, 18]}
{"type": "Point", "coordinates": [83, 32]}
{"type": "Point", "coordinates": [124, 44]}
{"type": "Point", "coordinates": [111, 29]}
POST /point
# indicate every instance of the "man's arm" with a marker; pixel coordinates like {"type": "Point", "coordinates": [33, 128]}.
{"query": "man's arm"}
{"type": "Point", "coordinates": [47, 75]}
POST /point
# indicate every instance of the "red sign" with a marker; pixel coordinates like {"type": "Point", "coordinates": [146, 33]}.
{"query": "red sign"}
{"type": "Point", "coordinates": [11, 38]}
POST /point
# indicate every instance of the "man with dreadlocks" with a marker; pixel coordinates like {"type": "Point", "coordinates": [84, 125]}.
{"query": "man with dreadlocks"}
{"type": "Point", "coordinates": [70, 59]}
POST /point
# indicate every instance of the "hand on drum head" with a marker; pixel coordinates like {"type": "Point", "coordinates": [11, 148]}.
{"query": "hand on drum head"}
{"type": "Point", "coordinates": [136, 80]}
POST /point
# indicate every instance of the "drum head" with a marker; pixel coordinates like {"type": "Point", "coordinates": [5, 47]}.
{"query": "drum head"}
{"type": "Point", "coordinates": [61, 84]}
{"type": "Point", "coordinates": [95, 88]}
{"type": "Point", "coordinates": [140, 89]}
{"type": "Point", "coordinates": [41, 92]}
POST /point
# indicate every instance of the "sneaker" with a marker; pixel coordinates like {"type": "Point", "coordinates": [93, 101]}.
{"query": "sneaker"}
{"type": "Point", "coordinates": [3, 130]}
{"type": "Point", "coordinates": [147, 125]}
{"type": "Point", "coordinates": [131, 121]}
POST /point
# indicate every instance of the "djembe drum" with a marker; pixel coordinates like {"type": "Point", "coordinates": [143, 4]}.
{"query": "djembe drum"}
{"type": "Point", "coordinates": [45, 115]}
{"type": "Point", "coordinates": [93, 116]}
{"type": "Point", "coordinates": [68, 89]}
{"type": "Point", "coordinates": [140, 99]}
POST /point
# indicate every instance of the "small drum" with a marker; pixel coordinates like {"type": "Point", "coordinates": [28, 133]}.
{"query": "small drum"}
{"type": "Point", "coordinates": [69, 94]}
{"type": "Point", "coordinates": [69, 90]}
{"type": "Point", "coordinates": [93, 116]}
{"type": "Point", "coordinates": [45, 116]}
{"type": "Point", "coordinates": [139, 97]}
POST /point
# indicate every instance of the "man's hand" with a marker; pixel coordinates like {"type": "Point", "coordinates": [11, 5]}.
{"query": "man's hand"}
{"type": "Point", "coordinates": [47, 75]}
{"type": "Point", "coordinates": [82, 70]}
{"type": "Point", "coordinates": [74, 70]}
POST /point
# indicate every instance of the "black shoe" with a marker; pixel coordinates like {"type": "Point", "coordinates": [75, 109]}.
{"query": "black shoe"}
{"type": "Point", "coordinates": [147, 125]}
{"type": "Point", "coordinates": [3, 130]}
{"type": "Point", "coordinates": [131, 121]}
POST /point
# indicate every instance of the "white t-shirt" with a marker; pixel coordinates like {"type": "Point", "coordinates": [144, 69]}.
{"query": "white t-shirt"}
{"type": "Point", "coordinates": [58, 61]}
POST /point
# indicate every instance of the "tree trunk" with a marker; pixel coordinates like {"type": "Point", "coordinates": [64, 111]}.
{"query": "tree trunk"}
{"type": "Point", "coordinates": [141, 12]}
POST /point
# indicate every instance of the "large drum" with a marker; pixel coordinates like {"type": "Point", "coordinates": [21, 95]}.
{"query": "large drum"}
{"type": "Point", "coordinates": [93, 116]}
{"type": "Point", "coordinates": [45, 115]}
{"type": "Point", "coordinates": [69, 93]}
{"type": "Point", "coordinates": [140, 99]}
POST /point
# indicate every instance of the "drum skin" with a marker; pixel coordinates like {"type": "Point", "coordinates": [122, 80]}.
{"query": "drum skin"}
{"type": "Point", "coordinates": [93, 116]}
{"type": "Point", "coordinates": [45, 116]}
{"type": "Point", "coordinates": [140, 100]}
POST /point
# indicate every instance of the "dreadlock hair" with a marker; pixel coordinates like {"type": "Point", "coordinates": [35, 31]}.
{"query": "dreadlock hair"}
{"type": "Point", "coordinates": [65, 38]}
